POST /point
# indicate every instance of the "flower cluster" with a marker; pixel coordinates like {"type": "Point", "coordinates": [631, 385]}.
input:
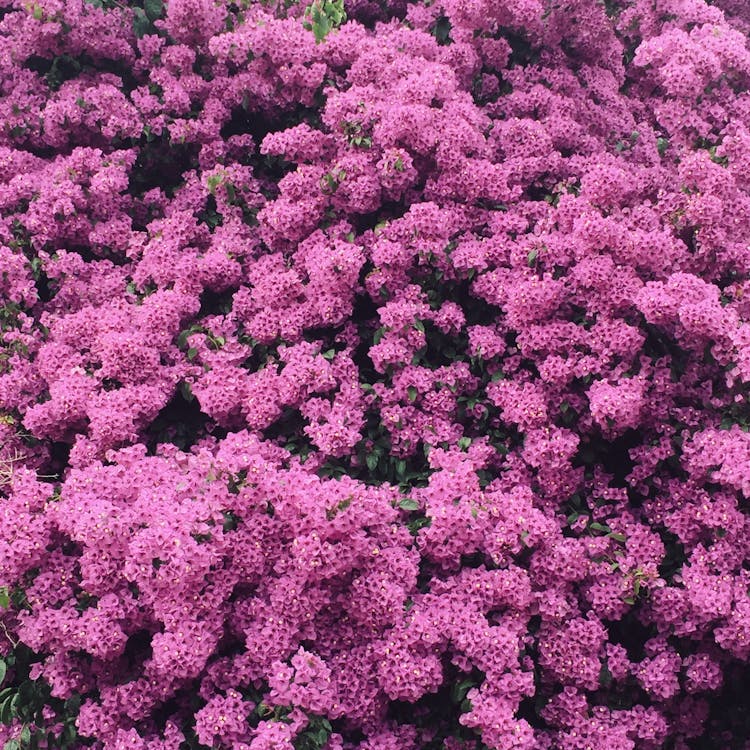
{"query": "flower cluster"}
{"type": "Point", "coordinates": [376, 385]}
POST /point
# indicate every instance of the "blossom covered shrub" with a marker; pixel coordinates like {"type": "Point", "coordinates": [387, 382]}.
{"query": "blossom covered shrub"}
{"type": "Point", "coordinates": [377, 383]}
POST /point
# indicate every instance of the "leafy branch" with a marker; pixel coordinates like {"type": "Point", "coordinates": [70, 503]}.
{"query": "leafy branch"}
{"type": "Point", "coordinates": [324, 16]}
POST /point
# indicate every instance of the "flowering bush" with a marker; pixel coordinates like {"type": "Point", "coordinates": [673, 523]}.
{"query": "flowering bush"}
{"type": "Point", "coordinates": [374, 375]}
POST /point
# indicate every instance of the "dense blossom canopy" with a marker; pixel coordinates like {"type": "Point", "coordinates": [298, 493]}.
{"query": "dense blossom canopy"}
{"type": "Point", "coordinates": [378, 387]}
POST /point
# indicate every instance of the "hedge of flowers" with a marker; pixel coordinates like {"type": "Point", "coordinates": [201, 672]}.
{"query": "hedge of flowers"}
{"type": "Point", "coordinates": [375, 375]}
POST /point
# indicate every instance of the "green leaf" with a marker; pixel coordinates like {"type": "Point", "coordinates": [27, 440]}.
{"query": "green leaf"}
{"type": "Point", "coordinates": [3, 670]}
{"type": "Point", "coordinates": [372, 461]}
{"type": "Point", "coordinates": [182, 339]}
{"type": "Point", "coordinates": [417, 524]}
{"type": "Point", "coordinates": [153, 9]}
{"type": "Point", "coordinates": [213, 182]}
{"type": "Point", "coordinates": [25, 736]}
{"type": "Point", "coordinates": [329, 355]}
{"type": "Point", "coordinates": [186, 391]}
{"type": "Point", "coordinates": [4, 598]}
{"type": "Point", "coordinates": [192, 353]}
{"type": "Point", "coordinates": [70, 733]}
{"type": "Point", "coordinates": [412, 393]}
{"type": "Point", "coordinates": [459, 691]}
{"type": "Point", "coordinates": [616, 536]}
{"type": "Point", "coordinates": [27, 688]}
{"type": "Point", "coordinates": [441, 30]}
{"type": "Point", "coordinates": [141, 24]}
{"type": "Point", "coordinates": [408, 503]}
{"type": "Point", "coordinates": [8, 709]}
{"type": "Point", "coordinates": [532, 256]}
{"type": "Point", "coordinates": [324, 15]}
